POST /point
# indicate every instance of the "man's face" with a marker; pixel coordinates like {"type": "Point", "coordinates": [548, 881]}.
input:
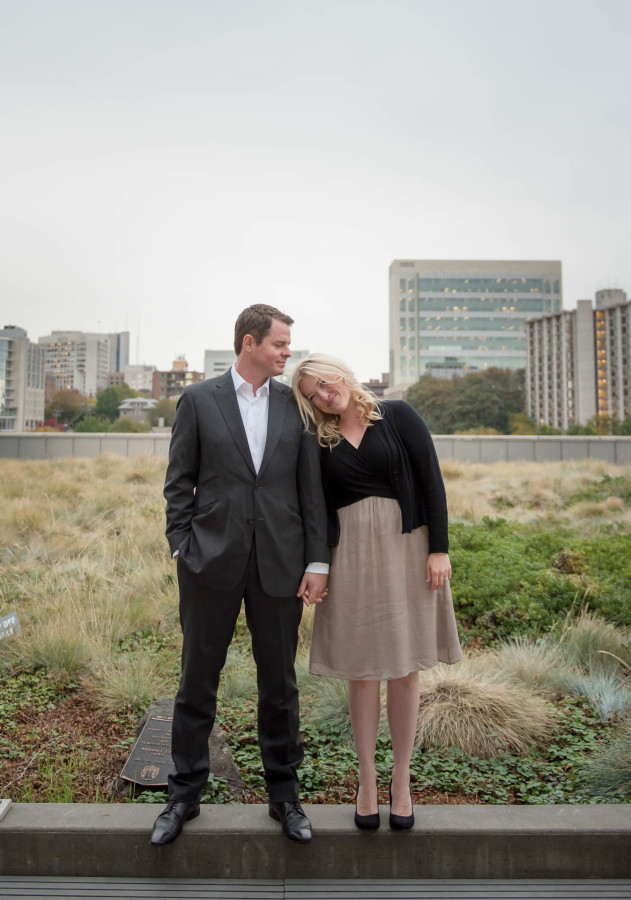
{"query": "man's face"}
{"type": "Point", "coordinates": [269, 357]}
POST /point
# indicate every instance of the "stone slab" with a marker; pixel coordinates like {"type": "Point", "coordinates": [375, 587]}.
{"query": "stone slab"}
{"type": "Point", "coordinates": [241, 841]}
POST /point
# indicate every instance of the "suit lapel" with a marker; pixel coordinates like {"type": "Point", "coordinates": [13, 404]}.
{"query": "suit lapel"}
{"type": "Point", "coordinates": [275, 419]}
{"type": "Point", "coordinates": [229, 407]}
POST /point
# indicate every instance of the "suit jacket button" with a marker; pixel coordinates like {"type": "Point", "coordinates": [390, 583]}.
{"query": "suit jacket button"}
{"type": "Point", "coordinates": [250, 521]}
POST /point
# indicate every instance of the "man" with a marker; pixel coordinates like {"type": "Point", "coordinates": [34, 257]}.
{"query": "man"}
{"type": "Point", "coordinates": [246, 519]}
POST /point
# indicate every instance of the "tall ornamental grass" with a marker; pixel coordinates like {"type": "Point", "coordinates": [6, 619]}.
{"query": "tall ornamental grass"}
{"type": "Point", "coordinates": [480, 716]}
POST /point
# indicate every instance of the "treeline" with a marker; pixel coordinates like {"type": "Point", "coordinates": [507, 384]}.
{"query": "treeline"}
{"type": "Point", "coordinates": [491, 402]}
{"type": "Point", "coordinates": [73, 411]}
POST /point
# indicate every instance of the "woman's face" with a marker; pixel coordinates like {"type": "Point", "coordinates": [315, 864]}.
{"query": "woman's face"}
{"type": "Point", "coordinates": [330, 397]}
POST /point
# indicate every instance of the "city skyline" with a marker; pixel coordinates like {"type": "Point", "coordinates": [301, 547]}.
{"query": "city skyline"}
{"type": "Point", "coordinates": [166, 165]}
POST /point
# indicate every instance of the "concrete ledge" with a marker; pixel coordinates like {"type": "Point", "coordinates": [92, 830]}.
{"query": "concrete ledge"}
{"type": "Point", "coordinates": [240, 841]}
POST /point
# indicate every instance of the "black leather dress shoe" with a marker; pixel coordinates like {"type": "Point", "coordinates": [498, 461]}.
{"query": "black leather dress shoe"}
{"type": "Point", "coordinates": [169, 823]}
{"type": "Point", "coordinates": [292, 817]}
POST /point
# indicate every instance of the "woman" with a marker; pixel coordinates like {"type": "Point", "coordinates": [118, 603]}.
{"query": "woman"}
{"type": "Point", "coordinates": [389, 612]}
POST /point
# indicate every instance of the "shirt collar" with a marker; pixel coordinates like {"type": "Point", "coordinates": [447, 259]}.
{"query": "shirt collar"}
{"type": "Point", "coordinates": [241, 385]}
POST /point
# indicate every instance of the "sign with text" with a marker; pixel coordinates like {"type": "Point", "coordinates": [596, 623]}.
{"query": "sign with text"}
{"type": "Point", "coordinates": [150, 762]}
{"type": "Point", "coordinates": [9, 626]}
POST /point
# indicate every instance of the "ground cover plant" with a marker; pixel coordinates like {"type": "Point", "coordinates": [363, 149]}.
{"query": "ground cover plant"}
{"type": "Point", "coordinates": [542, 579]}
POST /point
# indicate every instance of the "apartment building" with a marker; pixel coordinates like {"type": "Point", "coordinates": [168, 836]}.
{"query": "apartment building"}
{"type": "Point", "coordinates": [22, 381]}
{"type": "Point", "coordinates": [82, 360]}
{"type": "Point", "coordinates": [578, 362]}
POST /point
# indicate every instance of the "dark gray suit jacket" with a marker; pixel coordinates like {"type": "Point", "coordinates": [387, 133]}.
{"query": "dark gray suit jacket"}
{"type": "Point", "coordinates": [217, 504]}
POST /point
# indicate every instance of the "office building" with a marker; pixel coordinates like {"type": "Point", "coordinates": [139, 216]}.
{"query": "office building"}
{"type": "Point", "coordinates": [465, 314]}
{"type": "Point", "coordinates": [22, 381]}
{"type": "Point", "coordinates": [119, 351]}
{"type": "Point", "coordinates": [216, 362]}
{"type": "Point", "coordinates": [378, 386]}
{"type": "Point", "coordinates": [82, 361]}
{"type": "Point", "coordinates": [578, 362]}
{"type": "Point", "coordinates": [171, 382]}
{"type": "Point", "coordinates": [139, 378]}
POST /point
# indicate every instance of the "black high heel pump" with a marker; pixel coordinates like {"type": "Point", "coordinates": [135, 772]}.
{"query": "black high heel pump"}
{"type": "Point", "coordinates": [400, 823]}
{"type": "Point", "coordinates": [368, 823]}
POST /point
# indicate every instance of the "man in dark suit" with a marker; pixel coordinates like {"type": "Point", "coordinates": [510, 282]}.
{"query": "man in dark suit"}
{"type": "Point", "coordinates": [246, 519]}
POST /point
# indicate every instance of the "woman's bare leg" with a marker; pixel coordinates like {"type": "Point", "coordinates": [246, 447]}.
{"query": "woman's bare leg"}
{"type": "Point", "coordinates": [402, 705]}
{"type": "Point", "coordinates": [364, 707]}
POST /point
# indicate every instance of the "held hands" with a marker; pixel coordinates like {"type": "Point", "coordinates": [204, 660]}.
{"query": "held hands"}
{"type": "Point", "coordinates": [313, 588]}
{"type": "Point", "coordinates": [438, 570]}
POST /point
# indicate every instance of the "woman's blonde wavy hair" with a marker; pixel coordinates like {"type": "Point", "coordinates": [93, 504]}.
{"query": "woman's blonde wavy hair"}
{"type": "Point", "coordinates": [328, 368]}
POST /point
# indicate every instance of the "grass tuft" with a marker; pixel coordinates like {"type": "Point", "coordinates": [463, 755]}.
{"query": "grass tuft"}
{"type": "Point", "coordinates": [594, 645]}
{"type": "Point", "coordinates": [540, 665]}
{"type": "Point", "coordinates": [610, 771]}
{"type": "Point", "coordinates": [238, 678]}
{"type": "Point", "coordinates": [329, 712]}
{"type": "Point", "coordinates": [59, 647]}
{"type": "Point", "coordinates": [606, 692]}
{"type": "Point", "coordinates": [480, 717]}
{"type": "Point", "coordinates": [130, 680]}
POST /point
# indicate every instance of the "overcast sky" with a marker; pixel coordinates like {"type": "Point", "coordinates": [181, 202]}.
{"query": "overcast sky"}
{"type": "Point", "coordinates": [165, 164]}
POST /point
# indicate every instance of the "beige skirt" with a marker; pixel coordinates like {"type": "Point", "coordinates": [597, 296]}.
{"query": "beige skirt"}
{"type": "Point", "coordinates": [380, 620]}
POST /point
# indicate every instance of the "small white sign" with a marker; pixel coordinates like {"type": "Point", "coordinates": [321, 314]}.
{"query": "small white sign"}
{"type": "Point", "coordinates": [9, 626]}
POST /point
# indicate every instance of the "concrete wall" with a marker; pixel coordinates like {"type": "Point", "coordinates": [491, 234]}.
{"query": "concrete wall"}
{"type": "Point", "coordinates": [462, 448]}
{"type": "Point", "coordinates": [51, 446]}
{"type": "Point", "coordinates": [532, 448]}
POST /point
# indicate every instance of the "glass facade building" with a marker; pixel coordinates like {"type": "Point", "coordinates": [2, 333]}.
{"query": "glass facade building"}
{"type": "Point", "coordinates": [459, 316]}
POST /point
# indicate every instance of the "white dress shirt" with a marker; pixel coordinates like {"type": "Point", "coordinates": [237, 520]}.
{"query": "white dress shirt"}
{"type": "Point", "coordinates": [254, 409]}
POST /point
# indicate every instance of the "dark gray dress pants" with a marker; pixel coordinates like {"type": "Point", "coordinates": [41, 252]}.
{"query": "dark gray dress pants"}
{"type": "Point", "coordinates": [208, 621]}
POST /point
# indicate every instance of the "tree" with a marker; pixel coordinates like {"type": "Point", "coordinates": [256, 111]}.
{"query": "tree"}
{"type": "Point", "coordinates": [432, 397]}
{"type": "Point", "coordinates": [164, 409]}
{"type": "Point", "coordinates": [478, 400]}
{"type": "Point", "coordinates": [66, 407]}
{"type": "Point", "coordinates": [93, 424]}
{"type": "Point", "coordinates": [127, 424]}
{"type": "Point", "coordinates": [109, 399]}
{"type": "Point", "coordinates": [520, 423]}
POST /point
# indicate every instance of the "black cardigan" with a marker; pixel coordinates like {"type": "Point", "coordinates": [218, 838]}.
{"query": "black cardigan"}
{"type": "Point", "coordinates": [414, 475]}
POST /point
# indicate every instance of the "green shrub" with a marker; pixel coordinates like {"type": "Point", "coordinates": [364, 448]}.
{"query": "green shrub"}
{"type": "Point", "coordinates": [506, 582]}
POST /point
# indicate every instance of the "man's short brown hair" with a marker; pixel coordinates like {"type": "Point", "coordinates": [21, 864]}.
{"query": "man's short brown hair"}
{"type": "Point", "coordinates": [257, 321]}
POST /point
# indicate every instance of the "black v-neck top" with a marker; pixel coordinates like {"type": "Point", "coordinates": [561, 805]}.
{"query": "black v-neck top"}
{"type": "Point", "coordinates": [351, 474]}
{"type": "Point", "coordinates": [397, 459]}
